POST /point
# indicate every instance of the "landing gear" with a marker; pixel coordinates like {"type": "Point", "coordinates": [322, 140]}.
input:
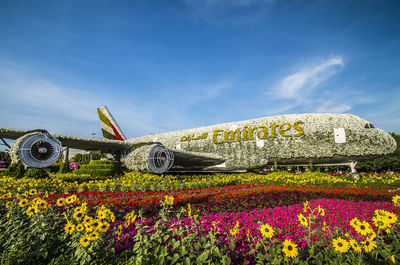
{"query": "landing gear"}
{"type": "Point", "coordinates": [354, 172]}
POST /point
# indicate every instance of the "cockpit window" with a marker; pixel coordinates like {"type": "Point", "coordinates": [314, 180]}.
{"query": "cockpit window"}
{"type": "Point", "coordinates": [369, 126]}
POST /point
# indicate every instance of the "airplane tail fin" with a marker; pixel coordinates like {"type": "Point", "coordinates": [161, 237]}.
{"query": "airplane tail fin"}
{"type": "Point", "coordinates": [109, 126]}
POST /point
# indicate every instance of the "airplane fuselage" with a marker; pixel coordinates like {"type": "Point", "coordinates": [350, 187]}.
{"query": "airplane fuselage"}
{"type": "Point", "coordinates": [287, 140]}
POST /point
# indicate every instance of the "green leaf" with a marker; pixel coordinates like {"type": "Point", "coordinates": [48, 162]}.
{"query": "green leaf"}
{"type": "Point", "coordinates": [203, 257]}
{"type": "Point", "coordinates": [164, 251]}
{"type": "Point", "coordinates": [187, 261]}
{"type": "Point", "coordinates": [183, 251]}
{"type": "Point", "coordinates": [175, 258]}
{"type": "Point", "coordinates": [312, 251]}
{"type": "Point", "coordinates": [176, 244]}
{"type": "Point", "coordinates": [216, 251]}
{"type": "Point", "coordinates": [136, 246]}
{"type": "Point", "coordinates": [226, 260]}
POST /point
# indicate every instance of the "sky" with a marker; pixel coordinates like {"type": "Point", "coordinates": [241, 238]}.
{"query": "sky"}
{"type": "Point", "coordinates": [162, 66]}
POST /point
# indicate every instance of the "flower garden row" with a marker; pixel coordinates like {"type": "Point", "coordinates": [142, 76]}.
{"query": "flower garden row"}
{"type": "Point", "coordinates": [135, 181]}
{"type": "Point", "coordinates": [232, 198]}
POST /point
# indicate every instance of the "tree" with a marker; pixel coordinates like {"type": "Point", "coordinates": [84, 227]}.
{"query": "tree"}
{"type": "Point", "coordinates": [389, 162]}
{"type": "Point", "coordinates": [4, 156]}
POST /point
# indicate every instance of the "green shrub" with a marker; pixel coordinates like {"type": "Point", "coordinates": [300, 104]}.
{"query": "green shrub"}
{"type": "Point", "coordinates": [15, 170]}
{"type": "Point", "coordinates": [64, 168]}
{"type": "Point", "coordinates": [54, 168]}
{"type": "Point", "coordinates": [4, 156]}
{"type": "Point", "coordinates": [86, 158]}
{"type": "Point", "coordinates": [36, 173]}
{"type": "Point", "coordinates": [98, 168]}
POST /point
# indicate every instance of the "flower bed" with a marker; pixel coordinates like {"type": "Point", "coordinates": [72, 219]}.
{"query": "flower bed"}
{"type": "Point", "coordinates": [229, 224]}
{"type": "Point", "coordinates": [283, 220]}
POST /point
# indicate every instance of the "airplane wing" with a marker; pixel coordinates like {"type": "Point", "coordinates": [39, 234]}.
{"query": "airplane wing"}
{"type": "Point", "coordinates": [11, 133]}
{"type": "Point", "coordinates": [107, 146]}
{"type": "Point", "coordinates": [195, 160]}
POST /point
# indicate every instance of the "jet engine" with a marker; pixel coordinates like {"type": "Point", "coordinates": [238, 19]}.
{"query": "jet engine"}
{"type": "Point", "coordinates": [153, 158]}
{"type": "Point", "coordinates": [38, 149]}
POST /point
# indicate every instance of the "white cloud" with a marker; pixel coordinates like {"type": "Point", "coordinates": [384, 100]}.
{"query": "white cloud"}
{"type": "Point", "coordinates": [301, 83]}
{"type": "Point", "coordinates": [196, 94]}
{"type": "Point", "coordinates": [333, 106]}
{"type": "Point", "coordinates": [29, 101]}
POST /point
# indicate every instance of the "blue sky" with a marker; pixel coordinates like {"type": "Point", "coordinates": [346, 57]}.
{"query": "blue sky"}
{"type": "Point", "coordinates": [169, 65]}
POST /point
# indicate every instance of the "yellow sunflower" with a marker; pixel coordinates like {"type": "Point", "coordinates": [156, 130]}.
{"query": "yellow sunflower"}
{"type": "Point", "coordinates": [78, 215]}
{"type": "Point", "coordinates": [110, 215]}
{"type": "Point", "coordinates": [340, 245]}
{"type": "Point", "coordinates": [354, 222]}
{"type": "Point", "coordinates": [396, 200]}
{"type": "Point", "coordinates": [95, 225]}
{"type": "Point", "coordinates": [369, 244]}
{"type": "Point", "coordinates": [324, 227]}
{"type": "Point", "coordinates": [305, 206]}
{"type": "Point", "coordinates": [363, 228]}
{"type": "Point", "coordinates": [79, 227]}
{"type": "Point", "coordinates": [70, 200]}
{"type": "Point", "coordinates": [23, 203]}
{"type": "Point", "coordinates": [321, 210]}
{"type": "Point", "coordinates": [189, 210]}
{"type": "Point", "coordinates": [391, 217]}
{"type": "Point", "coordinates": [235, 230]}
{"type": "Point", "coordinates": [380, 212]}
{"type": "Point", "coordinates": [290, 248]}
{"type": "Point", "coordinates": [101, 215]}
{"type": "Point", "coordinates": [94, 235]}
{"type": "Point", "coordinates": [31, 210]}
{"type": "Point", "coordinates": [379, 222]}
{"type": "Point", "coordinates": [61, 202]}
{"type": "Point", "coordinates": [32, 192]}
{"type": "Point", "coordinates": [84, 241]}
{"type": "Point", "coordinates": [80, 209]}
{"type": "Point", "coordinates": [355, 246]}
{"type": "Point", "coordinates": [69, 228]}
{"type": "Point", "coordinates": [88, 227]}
{"type": "Point", "coordinates": [87, 220]}
{"type": "Point", "coordinates": [267, 231]}
{"type": "Point", "coordinates": [119, 230]}
{"type": "Point", "coordinates": [303, 221]}
{"type": "Point", "coordinates": [104, 226]}
{"type": "Point", "coordinates": [42, 204]}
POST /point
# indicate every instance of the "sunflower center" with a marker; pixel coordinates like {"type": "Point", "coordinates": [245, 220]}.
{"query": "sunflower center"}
{"type": "Point", "coordinates": [362, 227]}
{"type": "Point", "coordinates": [340, 244]}
{"type": "Point", "coordinates": [367, 243]}
{"type": "Point", "coordinates": [289, 247]}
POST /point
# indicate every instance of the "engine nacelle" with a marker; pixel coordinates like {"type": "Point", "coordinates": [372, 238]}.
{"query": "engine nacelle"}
{"type": "Point", "coordinates": [153, 158]}
{"type": "Point", "coordinates": [37, 149]}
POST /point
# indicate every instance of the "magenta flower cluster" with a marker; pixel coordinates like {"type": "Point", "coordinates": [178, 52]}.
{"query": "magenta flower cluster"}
{"type": "Point", "coordinates": [284, 221]}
